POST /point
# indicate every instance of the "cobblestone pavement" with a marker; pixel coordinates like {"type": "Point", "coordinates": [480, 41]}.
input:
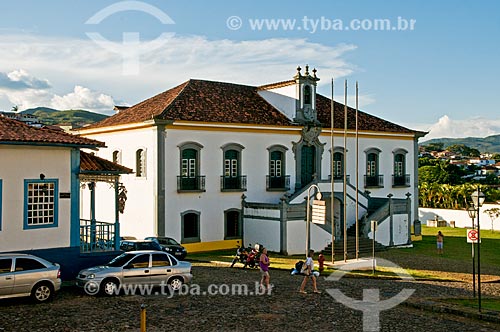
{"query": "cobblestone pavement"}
{"type": "Point", "coordinates": [284, 310]}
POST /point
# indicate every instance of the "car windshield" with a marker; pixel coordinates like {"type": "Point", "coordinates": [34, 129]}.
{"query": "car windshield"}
{"type": "Point", "coordinates": [120, 260]}
{"type": "Point", "coordinates": [172, 242]}
{"type": "Point", "coordinates": [148, 246]}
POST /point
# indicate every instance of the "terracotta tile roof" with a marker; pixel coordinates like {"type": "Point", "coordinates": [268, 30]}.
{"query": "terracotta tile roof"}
{"type": "Point", "coordinates": [209, 101]}
{"type": "Point", "coordinates": [15, 132]}
{"type": "Point", "coordinates": [90, 163]}
{"type": "Point", "coordinates": [365, 120]}
{"type": "Point", "coordinates": [205, 101]}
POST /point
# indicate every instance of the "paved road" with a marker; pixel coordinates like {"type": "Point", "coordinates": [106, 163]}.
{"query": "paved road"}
{"type": "Point", "coordinates": [283, 310]}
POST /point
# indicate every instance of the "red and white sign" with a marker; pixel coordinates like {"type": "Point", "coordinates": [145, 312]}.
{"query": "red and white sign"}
{"type": "Point", "coordinates": [472, 235]}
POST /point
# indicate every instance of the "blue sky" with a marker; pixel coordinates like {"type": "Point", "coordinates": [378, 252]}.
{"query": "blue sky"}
{"type": "Point", "coordinates": [441, 76]}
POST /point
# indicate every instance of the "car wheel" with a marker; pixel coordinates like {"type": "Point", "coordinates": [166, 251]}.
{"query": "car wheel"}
{"type": "Point", "coordinates": [42, 292]}
{"type": "Point", "coordinates": [175, 283]}
{"type": "Point", "coordinates": [109, 287]}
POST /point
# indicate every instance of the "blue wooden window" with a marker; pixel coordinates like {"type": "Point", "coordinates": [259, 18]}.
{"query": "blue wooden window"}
{"type": "Point", "coordinates": [41, 203]}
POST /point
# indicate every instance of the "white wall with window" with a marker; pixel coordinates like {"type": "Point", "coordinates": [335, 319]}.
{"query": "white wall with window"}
{"type": "Point", "coordinates": [37, 217]}
{"type": "Point", "coordinates": [139, 216]}
{"type": "Point", "coordinates": [232, 150]}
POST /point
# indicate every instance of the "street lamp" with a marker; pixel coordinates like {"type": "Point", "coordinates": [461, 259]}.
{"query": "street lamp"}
{"type": "Point", "coordinates": [308, 227]}
{"type": "Point", "coordinates": [472, 215]}
{"type": "Point", "coordinates": [478, 200]}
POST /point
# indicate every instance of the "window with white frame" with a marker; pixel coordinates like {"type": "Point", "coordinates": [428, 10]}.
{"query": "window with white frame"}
{"type": "Point", "coordinates": [189, 161]}
{"type": "Point", "coordinates": [338, 165]}
{"type": "Point", "coordinates": [372, 164]}
{"type": "Point", "coordinates": [231, 163]}
{"type": "Point", "coordinates": [41, 201]}
{"type": "Point", "coordinates": [399, 165]}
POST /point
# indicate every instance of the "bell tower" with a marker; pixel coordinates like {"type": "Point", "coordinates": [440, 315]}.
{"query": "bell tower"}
{"type": "Point", "coordinates": [305, 110]}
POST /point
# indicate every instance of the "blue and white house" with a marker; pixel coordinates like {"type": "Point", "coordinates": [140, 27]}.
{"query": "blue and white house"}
{"type": "Point", "coordinates": [40, 183]}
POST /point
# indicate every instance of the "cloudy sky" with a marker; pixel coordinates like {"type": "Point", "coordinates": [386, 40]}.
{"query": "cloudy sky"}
{"type": "Point", "coordinates": [431, 66]}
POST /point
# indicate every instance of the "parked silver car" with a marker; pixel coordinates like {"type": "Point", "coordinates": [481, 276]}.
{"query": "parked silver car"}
{"type": "Point", "coordinates": [28, 275]}
{"type": "Point", "coordinates": [135, 268]}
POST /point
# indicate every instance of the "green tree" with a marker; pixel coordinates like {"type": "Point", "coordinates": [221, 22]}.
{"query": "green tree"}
{"type": "Point", "coordinates": [433, 147]}
{"type": "Point", "coordinates": [463, 150]}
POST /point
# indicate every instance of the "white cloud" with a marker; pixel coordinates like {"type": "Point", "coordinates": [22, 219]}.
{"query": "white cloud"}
{"type": "Point", "coordinates": [26, 91]}
{"type": "Point", "coordinates": [70, 62]}
{"type": "Point", "coordinates": [447, 127]}
{"type": "Point", "coordinates": [83, 98]}
{"type": "Point", "coordinates": [21, 80]}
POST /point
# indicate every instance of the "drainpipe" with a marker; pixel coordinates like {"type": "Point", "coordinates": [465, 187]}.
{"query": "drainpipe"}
{"type": "Point", "coordinates": [391, 221]}
{"type": "Point", "coordinates": [283, 225]}
{"type": "Point", "coordinates": [117, 216]}
{"type": "Point", "coordinates": [243, 203]}
{"type": "Point", "coordinates": [92, 215]}
{"type": "Point", "coordinates": [408, 209]}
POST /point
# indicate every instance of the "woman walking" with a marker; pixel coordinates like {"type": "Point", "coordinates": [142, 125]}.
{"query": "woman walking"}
{"type": "Point", "coordinates": [264, 269]}
{"type": "Point", "coordinates": [308, 274]}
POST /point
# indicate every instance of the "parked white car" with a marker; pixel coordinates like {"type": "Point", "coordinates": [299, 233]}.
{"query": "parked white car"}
{"type": "Point", "coordinates": [142, 267]}
{"type": "Point", "coordinates": [28, 275]}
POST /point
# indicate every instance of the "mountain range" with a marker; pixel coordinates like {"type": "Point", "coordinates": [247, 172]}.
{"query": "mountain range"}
{"type": "Point", "coordinates": [77, 118]}
{"type": "Point", "coordinates": [490, 144]}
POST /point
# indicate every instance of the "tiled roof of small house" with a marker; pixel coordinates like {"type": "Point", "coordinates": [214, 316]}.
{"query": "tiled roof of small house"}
{"type": "Point", "coordinates": [16, 132]}
{"type": "Point", "coordinates": [90, 163]}
{"type": "Point", "coordinates": [209, 101]}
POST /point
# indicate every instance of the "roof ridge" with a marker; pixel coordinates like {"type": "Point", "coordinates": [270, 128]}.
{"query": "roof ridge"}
{"type": "Point", "coordinates": [172, 102]}
{"type": "Point", "coordinates": [276, 85]}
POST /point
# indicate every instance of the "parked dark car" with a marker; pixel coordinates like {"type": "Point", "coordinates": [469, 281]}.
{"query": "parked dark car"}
{"type": "Point", "coordinates": [134, 245]}
{"type": "Point", "coordinates": [170, 245]}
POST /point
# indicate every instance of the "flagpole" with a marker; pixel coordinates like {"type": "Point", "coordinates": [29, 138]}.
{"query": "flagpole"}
{"type": "Point", "coordinates": [345, 170]}
{"type": "Point", "coordinates": [332, 172]}
{"type": "Point", "coordinates": [357, 175]}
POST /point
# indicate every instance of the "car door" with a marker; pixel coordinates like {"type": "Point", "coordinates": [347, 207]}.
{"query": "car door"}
{"type": "Point", "coordinates": [137, 271]}
{"type": "Point", "coordinates": [161, 268]}
{"type": "Point", "coordinates": [27, 272]}
{"type": "Point", "coordinates": [6, 276]}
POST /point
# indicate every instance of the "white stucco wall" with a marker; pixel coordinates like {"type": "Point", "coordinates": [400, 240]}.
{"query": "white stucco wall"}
{"type": "Point", "coordinates": [25, 162]}
{"type": "Point", "coordinates": [400, 231]}
{"type": "Point", "coordinates": [284, 99]}
{"type": "Point", "coordinates": [265, 232]}
{"type": "Point", "coordinates": [461, 217]}
{"type": "Point", "coordinates": [296, 237]}
{"type": "Point", "coordinates": [139, 216]}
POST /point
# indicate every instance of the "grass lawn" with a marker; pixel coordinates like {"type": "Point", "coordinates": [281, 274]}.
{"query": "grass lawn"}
{"type": "Point", "coordinates": [488, 304]}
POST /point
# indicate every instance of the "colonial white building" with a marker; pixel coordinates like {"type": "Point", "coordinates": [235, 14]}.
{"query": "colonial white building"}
{"type": "Point", "coordinates": [219, 162]}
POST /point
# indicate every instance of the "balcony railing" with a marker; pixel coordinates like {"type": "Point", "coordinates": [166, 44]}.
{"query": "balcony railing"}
{"type": "Point", "coordinates": [401, 180]}
{"type": "Point", "coordinates": [339, 178]}
{"type": "Point", "coordinates": [233, 183]}
{"type": "Point", "coordinates": [191, 183]}
{"type": "Point", "coordinates": [278, 182]}
{"type": "Point", "coordinates": [376, 181]}
{"type": "Point", "coordinates": [97, 236]}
